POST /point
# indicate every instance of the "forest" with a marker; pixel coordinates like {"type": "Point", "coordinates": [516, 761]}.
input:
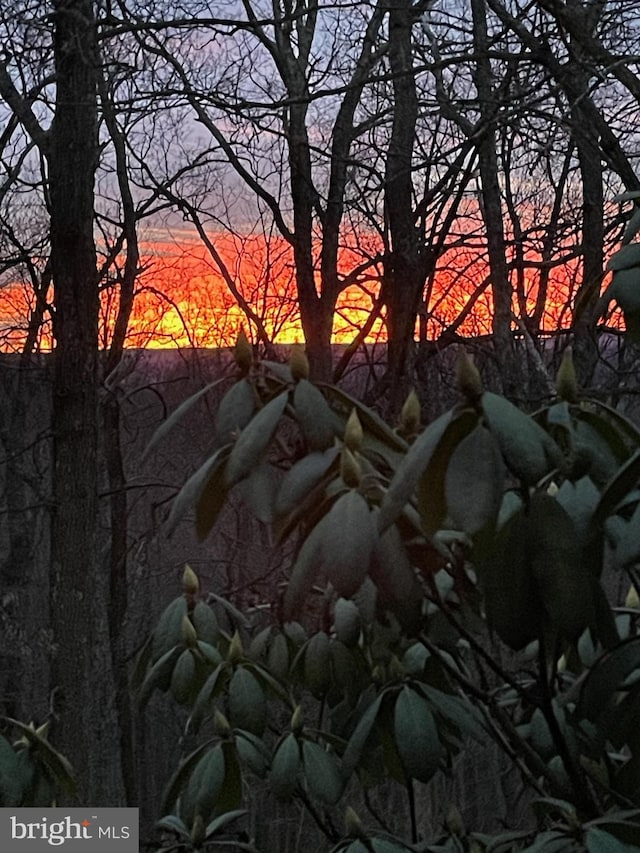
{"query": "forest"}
{"type": "Point", "coordinates": [376, 589]}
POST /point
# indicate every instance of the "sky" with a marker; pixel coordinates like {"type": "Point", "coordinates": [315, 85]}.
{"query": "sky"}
{"type": "Point", "coordinates": [183, 301]}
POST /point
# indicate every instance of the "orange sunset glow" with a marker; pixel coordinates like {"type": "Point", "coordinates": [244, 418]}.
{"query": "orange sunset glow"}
{"type": "Point", "coordinates": [184, 300]}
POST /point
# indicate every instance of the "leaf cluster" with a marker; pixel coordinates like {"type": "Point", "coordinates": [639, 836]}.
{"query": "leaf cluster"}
{"type": "Point", "coordinates": [416, 553]}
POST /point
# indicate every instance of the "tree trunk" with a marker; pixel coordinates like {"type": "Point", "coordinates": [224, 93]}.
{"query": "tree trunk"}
{"type": "Point", "coordinates": [77, 610]}
{"type": "Point", "coordinates": [404, 267]}
{"type": "Point", "coordinates": [316, 313]}
{"type": "Point", "coordinates": [492, 202]}
{"type": "Point", "coordinates": [585, 341]}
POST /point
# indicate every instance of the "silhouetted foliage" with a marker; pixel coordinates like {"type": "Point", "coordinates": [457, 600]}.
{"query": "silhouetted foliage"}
{"type": "Point", "coordinates": [416, 549]}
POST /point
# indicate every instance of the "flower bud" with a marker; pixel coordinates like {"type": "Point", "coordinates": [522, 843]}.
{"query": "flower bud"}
{"type": "Point", "coordinates": [410, 415]}
{"type": "Point", "coordinates": [566, 380]}
{"type": "Point", "coordinates": [242, 352]}
{"type": "Point", "coordinates": [353, 824]}
{"type": "Point", "coordinates": [632, 600]}
{"type": "Point", "coordinates": [198, 832]}
{"type": "Point", "coordinates": [236, 651]}
{"type": "Point", "coordinates": [189, 636]}
{"type": "Point", "coordinates": [222, 726]}
{"type": "Point", "coordinates": [454, 822]}
{"type": "Point", "coordinates": [353, 432]}
{"type": "Point", "coordinates": [190, 582]}
{"type": "Point", "coordinates": [350, 470]}
{"type": "Point", "coordinates": [468, 377]}
{"type": "Point", "coordinates": [297, 720]}
{"type": "Point", "coordinates": [298, 362]}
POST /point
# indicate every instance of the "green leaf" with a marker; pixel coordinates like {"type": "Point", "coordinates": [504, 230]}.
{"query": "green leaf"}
{"type": "Point", "coordinates": [317, 672]}
{"type": "Point", "coordinates": [211, 688]}
{"type": "Point", "coordinates": [622, 825]}
{"type": "Point", "coordinates": [305, 570]}
{"type": "Point", "coordinates": [208, 782]}
{"type": "Point", "coordinates": [553, 807]}
{"type": "Point", "coordinates": [542, 741]}
{"type": "Point", "coordinates": [474, 481]}
{"type": "Point", "coordinates": [339, 547]}
{"type": "Point", "coordinates": [356, 847]}
{"type": "Point", "coordinates": [461, 713]}
{"type": "Point", "coordinates": [555, 558]}
{"type": "Point", "coordinates": [285, 767]}
{"type": "Point", "coordinates": [600, 445]}
{"type": "Point", "coordinates": [253, 752]}
{"type": "Point", "coordinates": [230, 797]}
{"type": "Point", "coordinates": [579, 500]}
{"type": "Point", "coordinates": [552, 841]}
{"type": "Point", "coordinates": [260, 642]}
{"type": "Point", "coordinates": [361, 734]}
{"type": "Point", "coordinates": [259, 491]}
{"type": "Point", "coordinates": [604, 412]}
{"type": "Point", "coordinates": [633, 227]}
{"type": "Point", "coordinates": [26, 776]}
{"type": "Point", "coordinates": [599, 841]}
{"type": "Point", "coordinates": [210, 655]}
{"type": "Point", "coordinates": [159, 676]}
{"type": "Point", "coordinates": [182, 774]}
{"type": "Point", "coordinates": [625, 479]}
{"type": "Point", "coordinates": [221, 822]}
{"type": "Point", "coordinates": [391, 757]}
{"type": "Point", "coordinates": [247, 703]}
{"type": "Point", "coordinates": [199, 489]}
{"type": "Point", "coordinates": [431, 486]}
{"type": "Point", "coordinates": [177, 415]}
{"type": "Point", "coordinates": [278, 658]}
{"type": "Point", "coordinates": [514, 608]}
{"type": "Point", "coordinates": [410, 470]}
{"type": "Point", "coordinates": [627, 551]}
{"type": "Point", "coordinates": [530, 453]}
{"type": "Point", "coordinates": [234, 412]}
{"type": "Point", "coordinates": [254, 440]}
{"type": "Point", "coordinates": [511, 503]}
{"type": "Point", "coordinates": [628, 195]}
{"type": "Point", "coordinates": [415, 658]}
{"type": "Point", "coordinates": [386, 845]}
{"type": "Point", "coordinates": [11, 783]}
{"type": "Point", "coordinates": [205, 622]}
{"type": "Point", "coordinates": [317, 421]}
{"type": "Point", "coordinates": [346, 672]}
{"type": "Point", "coordinates": [183, 678]}
{"type": "Point", "coordinates": [39, 766]}
{"type": "Point", "coordinates": [625, 290]}
{"type": "Point", "coordinates": [173, 823]}
{"type": "Point", "coordinates": [236, 615]}
{"type": "Point", "coordinates": [168, 631]}
{"type": "Point", "coordinates": [302, 478]}
{"type": "Point", "coordinates": [395, 580]}
{"type": "Point", "coordinates": [347, 542]}
{"type": "Point", "coordinates": [322, 774]}
{"type": "Point", "coordinates": [346, 621]}
{"type": "Point", "coordinates": [605, 678]}
{"type": "Point", "coordinates": [625, 258]}
{"type": "Point", "coordinates": [212, 496]}
{"type": "Point", "coordinates": [416, 735]}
